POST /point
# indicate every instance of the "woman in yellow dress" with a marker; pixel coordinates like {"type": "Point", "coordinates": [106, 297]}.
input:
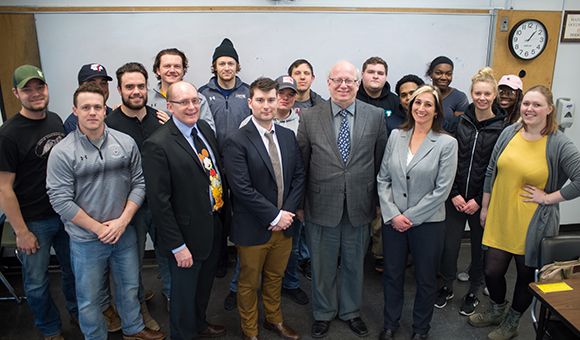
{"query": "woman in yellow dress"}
{"type": "Point", "coordinates": [524, 183]}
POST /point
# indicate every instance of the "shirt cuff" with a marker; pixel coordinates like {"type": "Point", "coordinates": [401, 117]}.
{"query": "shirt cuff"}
{"type": "Point", "coordinates": [178, 249]}
{"type": "Point", "coordinates": [277, 219]}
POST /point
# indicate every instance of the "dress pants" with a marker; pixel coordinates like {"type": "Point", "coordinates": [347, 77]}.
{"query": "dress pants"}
{"type": "Point", "coordinates": [269, 260]}
{"type": "Point", "coordinates": [191, 289]}
{"type": "Point", "coordinates": [324, 244]}
{"type": "Point", "coordinates": [425, 242]}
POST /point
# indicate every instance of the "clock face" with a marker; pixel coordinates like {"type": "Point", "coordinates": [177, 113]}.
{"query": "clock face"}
{"type": "Point", "coordinates": [528, 39]}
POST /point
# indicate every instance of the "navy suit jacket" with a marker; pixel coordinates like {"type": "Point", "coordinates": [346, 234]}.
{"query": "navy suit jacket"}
{"type": "Point", "coordinates": [253, 184]}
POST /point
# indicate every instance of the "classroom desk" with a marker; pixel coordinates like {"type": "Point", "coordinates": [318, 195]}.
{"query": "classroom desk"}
{"type": "Point", "coordinates": [566, 305]}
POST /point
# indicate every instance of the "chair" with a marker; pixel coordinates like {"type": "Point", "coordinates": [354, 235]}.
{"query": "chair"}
{"type": "Point", "coordinates": [14, 296]}
{"type": "Point", "coordinates": [555, 248]}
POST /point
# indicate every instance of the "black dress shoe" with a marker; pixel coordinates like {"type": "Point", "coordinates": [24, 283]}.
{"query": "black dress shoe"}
{"type": "Point", "coordinates": [358, 327]}
{"type": "Point", "coordinates": [417, 336]}
{"type": "Point", "coordinates": [297, 295]}
{"type": "Point", "coordinates": [320, 328]}
{"type": "Point", "coordinates": [231, 301]}
{"type": "Point", "coordinates": [387, 334]}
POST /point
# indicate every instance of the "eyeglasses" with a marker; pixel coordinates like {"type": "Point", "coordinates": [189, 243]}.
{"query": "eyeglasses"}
{"type": "Point", "coordinates": [186, 102]}
{"type": "Point", "coordinates": [347, 82]}
{"type": "Point", "coordinates": [507, 93]}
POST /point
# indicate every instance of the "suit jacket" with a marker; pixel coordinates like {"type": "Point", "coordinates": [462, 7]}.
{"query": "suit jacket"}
{"type": "Point", "coordinates": [253, 183]}
{"type": "Point", "coordinates": [327, 175]}
{"type": "Point", "coordinates": [178, 190]}
{"type": "Point", "coordinates": [418, 190]}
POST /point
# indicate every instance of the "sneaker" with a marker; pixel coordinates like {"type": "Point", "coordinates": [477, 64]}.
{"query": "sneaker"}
{"type": "Point", "coordinates": [112, 319]}
{"type": "Point", "coordinates": [379, 265]}
{"type": "Point", "coordinates": [306, 270]}
{"type": "Point", "coordinates": [463, 276]}
{"type": "Point", "coordinates": [485, 291]}
{"type": "Point", "coordinates": [443, 295]}
{"type": "Point", "coordinates": [297, 295]}
{"type": "Point", "coordinates": [470, 301]}
{"type": "Point", "coordinates": [148, 319]}
{"type": "Point", "coordinates": [231, 301]}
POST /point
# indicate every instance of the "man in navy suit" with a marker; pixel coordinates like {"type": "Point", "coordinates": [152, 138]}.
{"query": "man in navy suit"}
{"type": "Point", "coordinates": [264, 166]}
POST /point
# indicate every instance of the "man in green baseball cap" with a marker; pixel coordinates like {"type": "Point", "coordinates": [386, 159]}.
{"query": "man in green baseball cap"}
{"type": "Point", "coordinates": [25, 142]}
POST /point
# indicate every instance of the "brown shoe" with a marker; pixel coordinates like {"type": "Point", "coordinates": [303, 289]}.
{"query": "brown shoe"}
{"type": "Point", "coordinates": [74, 321]}
{"type": "Point", "coordinates": [283, 330]}
{"type": "Point", "coordinates": [148, 295]}
{"type": "Point", "coordinates": [213, 331]}
{"type": "Point", "coordinates": [254, 337]}
{"type": "Point", "coordinates": [54, 337]}
{"type": "Point", "coordinates": [148, 319]}
{"type": "Point", "coordinates": [112, 319]}
{"type": "Point", "coordinates": [145, 334]}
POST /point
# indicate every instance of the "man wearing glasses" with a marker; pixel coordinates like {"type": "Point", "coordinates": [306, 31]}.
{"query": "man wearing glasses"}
{"type": "Point", "coordinates": [342, 143]}
{"type": "Point", "coordinates": [185, 191]}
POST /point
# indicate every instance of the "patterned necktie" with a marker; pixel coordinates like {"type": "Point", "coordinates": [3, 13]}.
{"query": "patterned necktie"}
{"type": "Point", "coordinates": [344, 137]}
{"type": "Point", "coordinates": [275, 159]}
{"type": "Point", "coordinates": [207, 163]}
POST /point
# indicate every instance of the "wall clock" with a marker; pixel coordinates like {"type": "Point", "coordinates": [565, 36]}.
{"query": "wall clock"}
{"type": "Point", "coordinates": [528, 39]}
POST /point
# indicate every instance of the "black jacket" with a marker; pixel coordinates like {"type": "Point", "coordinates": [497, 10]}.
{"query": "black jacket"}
{"type": "Point", "coordinates": [476, 141]}
{"type": "Point", "coordinates": [388, 101]}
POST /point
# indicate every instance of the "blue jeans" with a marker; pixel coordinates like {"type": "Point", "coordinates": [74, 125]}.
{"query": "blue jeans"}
{"type": "Point", "coordinates": [234, 283]}
{"type": "Point", "coordinates": [89, 260]}
{"type": "Point", "coordinates": [303, 253]}
{"type": "Point", "coordinates": [291, 279]}
{"type": "Point", "coordinates": [48, 232]}
{"type": "Point", "coordinates": [143, 222]}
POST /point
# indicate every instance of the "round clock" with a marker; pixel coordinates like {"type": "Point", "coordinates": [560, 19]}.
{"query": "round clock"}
{"type": "Point", "coordinates": [528, 39]}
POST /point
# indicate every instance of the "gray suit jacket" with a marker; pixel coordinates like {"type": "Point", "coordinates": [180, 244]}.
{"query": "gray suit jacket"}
{"type": "Point", "coordinates": [327, 175]}
{"type": "Point", "coordinates": [418, 190]}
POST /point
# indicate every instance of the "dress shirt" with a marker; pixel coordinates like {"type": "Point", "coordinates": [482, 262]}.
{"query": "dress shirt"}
{"type": "Point", "coordinates": [262, 131]}
{"type": "Point", "coordinates": [337, 118]}
{"type": "Point", "coordinates": [186, 132]}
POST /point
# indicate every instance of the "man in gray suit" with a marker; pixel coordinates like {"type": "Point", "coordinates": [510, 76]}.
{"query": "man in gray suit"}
{"type": "Point", "coordinates": [342, 143]}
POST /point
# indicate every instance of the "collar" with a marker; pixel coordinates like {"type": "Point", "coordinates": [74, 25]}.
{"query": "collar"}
{"type": "Point", "coordinates": [336, 109]}
{"type": "Point", "coordinates": [261, 130]}
{"type": "Point", "coordinates": [184, 129]}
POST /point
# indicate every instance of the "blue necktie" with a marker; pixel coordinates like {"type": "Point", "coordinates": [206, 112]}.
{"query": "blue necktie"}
{"type": "Point", "coordinates": [344, 137]}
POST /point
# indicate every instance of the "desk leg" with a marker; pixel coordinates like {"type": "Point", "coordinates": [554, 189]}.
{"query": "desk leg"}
{"type": "Point", "coordinates": [541, 323]}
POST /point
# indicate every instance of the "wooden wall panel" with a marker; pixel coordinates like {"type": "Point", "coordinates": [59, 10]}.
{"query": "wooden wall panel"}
{"type": "Point", "coordinates": [18, 46]}
{"type": "Point", "coordinates": [539, 71]}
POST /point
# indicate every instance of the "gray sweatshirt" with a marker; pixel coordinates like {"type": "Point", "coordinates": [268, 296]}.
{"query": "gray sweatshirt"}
{"type": "Point", "coordinates": [98, 180]}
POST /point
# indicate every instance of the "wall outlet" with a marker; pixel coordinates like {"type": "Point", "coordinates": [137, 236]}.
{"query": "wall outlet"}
{"type": "Point", "coordinates": [504, 25]}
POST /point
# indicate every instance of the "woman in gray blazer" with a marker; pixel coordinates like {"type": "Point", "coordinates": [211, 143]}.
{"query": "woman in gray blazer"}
{"type": "Point", "coordinates": [416, 176]}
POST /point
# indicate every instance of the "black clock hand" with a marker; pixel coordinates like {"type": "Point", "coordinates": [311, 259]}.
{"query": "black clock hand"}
{"type": "Point", "coordinates": [531, 36]}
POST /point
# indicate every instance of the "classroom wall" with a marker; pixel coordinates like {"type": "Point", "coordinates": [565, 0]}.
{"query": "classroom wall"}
{"type": "Point", "coordinates": [566, 69]}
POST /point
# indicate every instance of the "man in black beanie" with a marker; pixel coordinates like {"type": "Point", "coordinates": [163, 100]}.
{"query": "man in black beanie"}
{"type": "Point", "coordinates": [228, 97]}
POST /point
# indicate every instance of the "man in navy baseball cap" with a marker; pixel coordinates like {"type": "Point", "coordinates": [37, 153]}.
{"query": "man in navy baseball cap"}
{"type": "Point", "coordinates": [90, 73]}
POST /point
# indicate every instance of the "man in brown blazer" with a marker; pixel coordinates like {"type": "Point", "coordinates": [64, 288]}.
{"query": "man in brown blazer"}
{"type": "Point", "coordinates": [342, 143]}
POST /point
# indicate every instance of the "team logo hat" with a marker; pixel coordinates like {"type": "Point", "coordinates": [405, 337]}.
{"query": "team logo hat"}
{"type": "Point", "coordinates": [90, 71]}
{"type": "Point", "coordinates": [24, 74]}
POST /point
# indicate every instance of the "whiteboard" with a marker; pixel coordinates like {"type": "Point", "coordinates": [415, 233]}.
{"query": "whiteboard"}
{"type": "Point", "coordinates": [266, 42]}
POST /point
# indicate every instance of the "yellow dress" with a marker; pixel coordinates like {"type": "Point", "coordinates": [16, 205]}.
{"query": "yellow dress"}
{"type": "Point", "coordinates": [521, 162]}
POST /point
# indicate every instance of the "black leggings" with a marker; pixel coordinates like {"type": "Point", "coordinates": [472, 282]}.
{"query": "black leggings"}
{"type": "Point", "coordinates": [496, 263]}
